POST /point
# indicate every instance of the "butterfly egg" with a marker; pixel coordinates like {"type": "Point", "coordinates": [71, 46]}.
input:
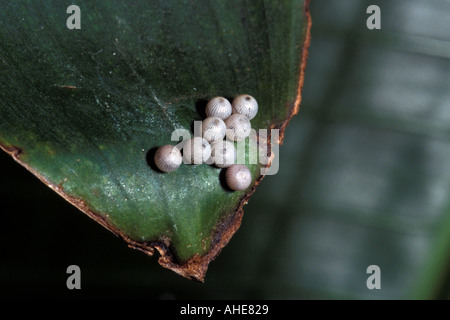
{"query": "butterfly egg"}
{"type": "Point", "coordinates": [168, 158]}
{"type": "Point", "coordinates": [214, 129]}
{"type": "Point", "coordinates": [196, 151]}
{"type": "Point", "coordinates": [238, 127]}
{"type": "Point", "coordinates": [218, 107]}
{"type": "Point", "coordinates": [238, 177]}
{"type": "Point", "coordinates": [223, 153]}
{"type": "Point", "coordinates": [246, 105]}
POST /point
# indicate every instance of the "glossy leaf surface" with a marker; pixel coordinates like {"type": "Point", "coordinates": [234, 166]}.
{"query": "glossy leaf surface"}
{"type": "Point", "coordinates": [85, 109]}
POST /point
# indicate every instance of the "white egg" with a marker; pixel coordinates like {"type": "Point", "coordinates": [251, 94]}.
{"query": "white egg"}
{"type": "Point", "coordinates": [223, 153]}
{"type": "Point", "coordinates": [168, 158]}
{"type": "Point", "coordinates": [214, 129]}
{"type": "Point", "coordinates": [196, 151]}
{"type": "Point", "coordinates": [238, 127]}
{"type": "Point", "coordinates": [218, 107]}
{"type": "Point", "coordinates": [246, 105]}
{"type": "Point", "coordinates": [238, 177]}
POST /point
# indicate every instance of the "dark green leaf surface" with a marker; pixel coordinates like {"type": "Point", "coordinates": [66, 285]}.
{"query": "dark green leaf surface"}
{"type": "Point", "coordinates": [87, 107]}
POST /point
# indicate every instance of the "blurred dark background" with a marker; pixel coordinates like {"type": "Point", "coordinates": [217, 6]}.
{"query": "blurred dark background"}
{"type": "Point", "coordinates": [364, 180]}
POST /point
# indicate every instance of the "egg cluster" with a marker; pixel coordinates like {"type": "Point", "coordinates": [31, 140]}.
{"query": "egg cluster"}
{"type": "Point", "coordinates": [224, 119]}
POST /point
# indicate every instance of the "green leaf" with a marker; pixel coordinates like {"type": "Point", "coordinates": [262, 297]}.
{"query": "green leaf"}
{"type": "Point", "coordinates": [85, 109]}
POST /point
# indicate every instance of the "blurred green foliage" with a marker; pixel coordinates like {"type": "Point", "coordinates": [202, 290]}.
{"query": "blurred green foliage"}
{"type": "Point", "coordinates": [364, 179]}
